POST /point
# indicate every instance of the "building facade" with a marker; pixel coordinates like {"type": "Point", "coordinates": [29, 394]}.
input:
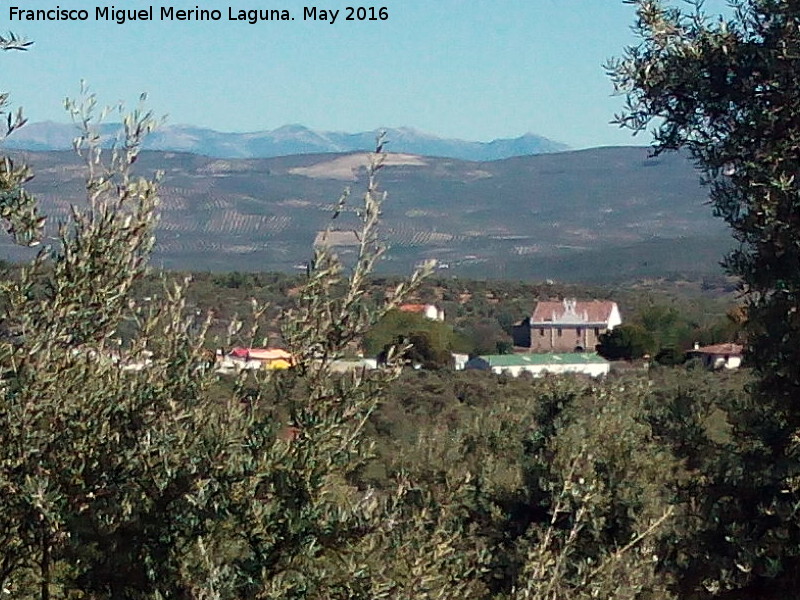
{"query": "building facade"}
{"type": "Point", "coordinates": [566, 326]}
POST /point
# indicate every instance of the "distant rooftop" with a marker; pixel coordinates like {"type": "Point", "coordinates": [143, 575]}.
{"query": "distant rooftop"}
{"type": "Point", "coordinates": [574, 311]}
{"type": "Point", "coordinates": [260, 353]}
{"type": "Point", "coordinates": [414, 308]}
{"type": "Point", "coordinates": [516, 360]}
{"type": "Point", "coordinates": [729, 349]}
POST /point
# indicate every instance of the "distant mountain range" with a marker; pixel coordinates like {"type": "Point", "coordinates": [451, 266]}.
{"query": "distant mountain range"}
{"type": "Point", "coordinates": [600, 215]}
{"type": "Point", "coordinates": [291, 140]}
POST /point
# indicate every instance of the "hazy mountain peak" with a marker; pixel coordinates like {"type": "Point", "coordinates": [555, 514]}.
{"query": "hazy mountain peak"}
{"type": "Point", "coordinates": [294, 139]}
{"type": "Point", "coordinates": [291, 128]}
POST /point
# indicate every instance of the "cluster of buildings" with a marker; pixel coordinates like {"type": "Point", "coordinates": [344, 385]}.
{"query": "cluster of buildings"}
{"type": "Point", "coordinates": [276, 359]}
{"type": "Point", "coordinates": [238, 359]}
{"type": "Point", "coordinates": [559, 337]}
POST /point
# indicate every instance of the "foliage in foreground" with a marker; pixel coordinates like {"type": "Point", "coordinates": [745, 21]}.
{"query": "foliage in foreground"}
{"type": "Point", "coordinates": [140, 484]}
{"type": "Point", "coordinates": [166, 482]}
{"type": "Point", "coordinates": [158, 482]}
{"type": "Point", "coordinates": [725, 89]}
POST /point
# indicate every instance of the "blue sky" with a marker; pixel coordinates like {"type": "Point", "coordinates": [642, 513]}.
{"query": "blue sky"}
{"type": "Point", "coordinates": [473, 69]}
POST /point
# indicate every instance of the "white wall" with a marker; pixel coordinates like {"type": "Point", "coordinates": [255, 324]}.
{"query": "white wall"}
{"type": "Point", "coordinates": [614, 319]}
{"type": "Point", "coordinates": [722, 361]}
{"type": "Point", "coordinates": [592, 369]}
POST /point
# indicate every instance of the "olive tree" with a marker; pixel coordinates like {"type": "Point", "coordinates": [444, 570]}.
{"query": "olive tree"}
{"type": "Point", "coordinates": [122, 476]}
{"type": "Point", "coordinates": [725, 90]}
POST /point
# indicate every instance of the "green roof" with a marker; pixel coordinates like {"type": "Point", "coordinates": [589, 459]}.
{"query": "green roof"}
{"type": "Point", "coordinates": [516, 360]}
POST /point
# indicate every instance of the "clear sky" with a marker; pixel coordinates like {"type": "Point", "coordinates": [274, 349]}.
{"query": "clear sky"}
{"type": "Point", "coordinates": [472, 69]}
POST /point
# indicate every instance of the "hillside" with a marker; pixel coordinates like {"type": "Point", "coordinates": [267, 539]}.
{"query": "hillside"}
{"type": "Point", "coordinates": [600, 214]}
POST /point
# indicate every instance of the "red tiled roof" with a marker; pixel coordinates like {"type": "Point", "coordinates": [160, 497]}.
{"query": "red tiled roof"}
{"type": "Point", "coordinates": [595, 311]}
{"type": "Point", "coordinates": [414, 308]}
{"type": "Point", "coordinates": [261, 353]}
{"type": "Point", "coordinates": [726, 349]}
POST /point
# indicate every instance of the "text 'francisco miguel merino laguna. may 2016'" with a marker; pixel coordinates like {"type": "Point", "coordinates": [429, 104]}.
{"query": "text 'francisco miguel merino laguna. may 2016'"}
{"type": "Point", "coordinates": [170, 13]}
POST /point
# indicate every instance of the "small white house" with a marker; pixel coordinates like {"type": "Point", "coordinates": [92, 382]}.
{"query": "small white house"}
{"type": "Point", "coordinates": [429, 311]}
{"type": "Point", "coordinates": [719, 356]}
{"type": "Point", "coordinates": [459, 360]}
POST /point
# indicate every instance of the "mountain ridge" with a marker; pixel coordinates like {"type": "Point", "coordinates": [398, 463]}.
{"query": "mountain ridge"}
{"type": "Point", "coordinates": [289, 140]}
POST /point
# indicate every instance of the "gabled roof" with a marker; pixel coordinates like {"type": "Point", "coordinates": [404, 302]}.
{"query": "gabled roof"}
{"type": "Point", "coordinates": [726, 349]}
{"type": "Point", "coordinates": [573, 311]}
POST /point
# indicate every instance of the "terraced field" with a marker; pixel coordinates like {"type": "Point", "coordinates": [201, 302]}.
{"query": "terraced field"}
{"type": "Point", "coordinates": [559, 216]}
